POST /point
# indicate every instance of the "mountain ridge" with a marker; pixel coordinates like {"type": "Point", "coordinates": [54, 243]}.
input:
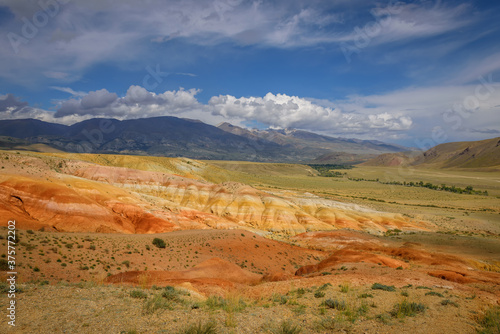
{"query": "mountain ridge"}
{"type": "Point", "coordinates": [467, 154]}
{"type": "Point", "coordinates": [173, 137]}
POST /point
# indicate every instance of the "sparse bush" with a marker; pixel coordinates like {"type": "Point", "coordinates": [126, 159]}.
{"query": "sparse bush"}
{"type": "Point", "coordinates": [4, 287]}
{"type": "Point", "coordinates": [4, 265]}
{"type": "Point", "coordinates": [319, 294]}
{"type": "Point", "coordinates": [449, 302]}
{"type": "Point", "coordinates": [407, 309]}
{"type": "Point", "coordinates": [209, 327]}
{"type": "Point", "coordinates": [160, 243]}
{"type": "Point", "coordinates": [335, 304]}
{"type": "Point", "coordinates": [327, 323]}
{"type": "Point", "coordinates": [157, 303]}
{"type": "Point", "coordinates": [285, 327]}
{"type": "Point", "coordinates": [423, 287]}
{"type": "Point", "coordinates": [300, 309]}
{"type": "Point", "coordinates": [172, 294]}
{"type": "Point", "coordinates": [434, 293]}
{"type": "Point", "coordinates": [382, 318]}
{"type": "Point", "coordinates": [378, 286]}
{"type": "Point", "coordinates": [215, 302]}
{"type": "Point", "coordinates": [344, 287]}
{"type": "Point", "coordinates": [281, 299]}
{"type": "Point", "coordinates": [490, 321]}
{"type": "Point", "coordinates": [138, 294]}
{"type": "Point", "coordinates": [366, 295]}
{"type": "Point", "coordinates": [28, 246]}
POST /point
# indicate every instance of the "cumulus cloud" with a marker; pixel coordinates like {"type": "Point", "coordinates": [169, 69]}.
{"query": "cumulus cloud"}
{"type": "Point", "coordinates": [138, 102]}
{"type": "Point", "coordinates": [12, 104]}
{"type": "Point", "coordinates": [11, 107]}
{"type": "Point", "coordinates": [286, 111]}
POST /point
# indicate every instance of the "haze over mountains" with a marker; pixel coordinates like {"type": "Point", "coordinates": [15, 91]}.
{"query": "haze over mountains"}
{"type": "Point", "coordinates": [172, 136]}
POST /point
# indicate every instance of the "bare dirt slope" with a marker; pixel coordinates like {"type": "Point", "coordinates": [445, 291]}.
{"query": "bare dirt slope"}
{"type": "Point", "coordinates": [244, 283]}
{"type": "Point", "coordinates": [71, 195]}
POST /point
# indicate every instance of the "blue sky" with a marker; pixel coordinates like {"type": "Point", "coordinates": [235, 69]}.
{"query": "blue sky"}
{"type": "Point", "coordinates": [417, 73]}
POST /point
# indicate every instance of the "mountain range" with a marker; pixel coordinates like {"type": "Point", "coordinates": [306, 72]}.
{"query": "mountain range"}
{"type": "Point", "coordinates": [173, 137]}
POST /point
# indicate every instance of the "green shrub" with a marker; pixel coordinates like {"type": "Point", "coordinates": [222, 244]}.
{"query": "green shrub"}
{"type": "Point", "coordinates": [382, 318]}
{"type": "Point", "coordinates": [449, 302]}
{"type": "Point", "coordinates": [281, 299]}
{"type": "Point", "coordinates": [138, 294]}
{"type": "Point", "coordinates": [324, 286]}
{"type": "Point", "coordinates": [319, 294]}
{"type": "Point", "coordinates": [209, 327]}
{"type": "Point", "coordinates": [378, 286]}
{"type": "Point", "coordinates": [335, 304]}
{"type": "Point", "coordinates": [326, 323]}
{"type": "Point", "coordinates": [423, 287]}
{"type": "Point", "coordinates": [490, 321]}
{"type": "Point", "coordinates": [4, 265]}
{"type": "Point", "coordinates": [286, 327]}
{"type": "Point", "coordinates": [434, 293]}
{"type": "Point", "coordinates": [407, 309]}
{"type": "Point", "coordinates": [215, 302]}
{"type": "Point", "coordinates": [157, 303]}
{"type": "Point", "coordinates": [174, 295]}
{"type": "Point", "coordinates": [160, 243]}
{"type": "Point", "coordinates": [344, 287]}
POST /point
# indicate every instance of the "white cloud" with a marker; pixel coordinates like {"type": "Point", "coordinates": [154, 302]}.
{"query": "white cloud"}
{"type": "Point", "coordinates": [479, 68]}
{"type": "Point", "coordinates": [137, 103]}
{"type": "Point", "coordinates": [286, 111]}
{"type": "Point", "coordinates": [401, 22]}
